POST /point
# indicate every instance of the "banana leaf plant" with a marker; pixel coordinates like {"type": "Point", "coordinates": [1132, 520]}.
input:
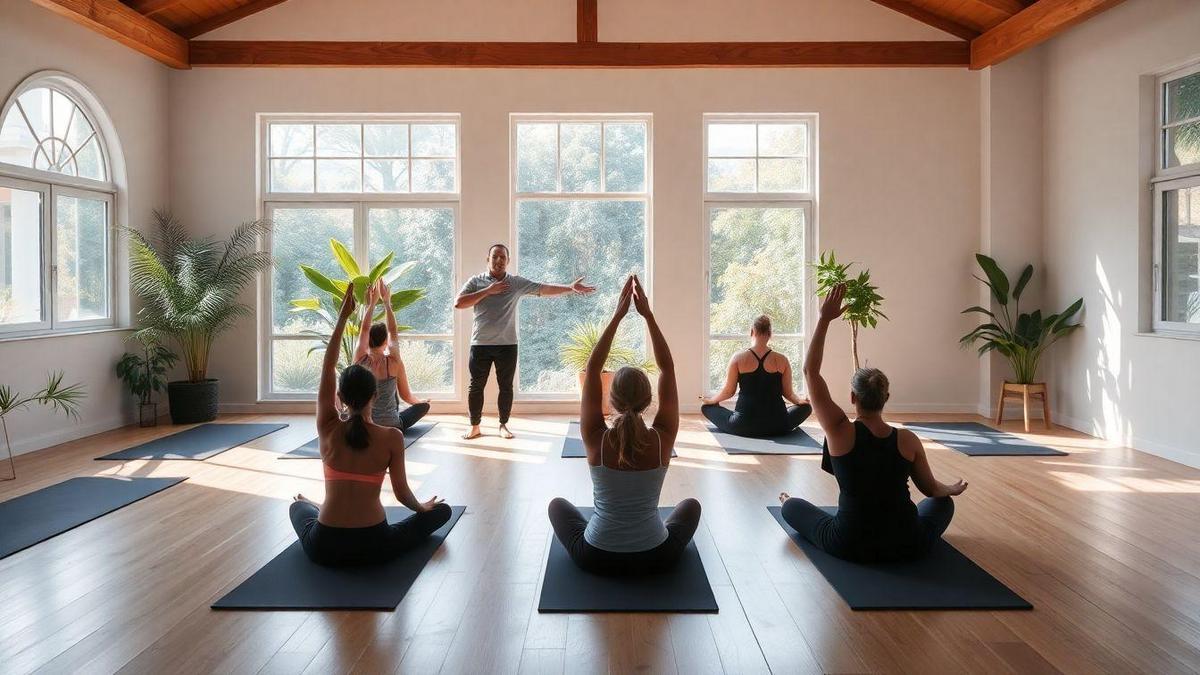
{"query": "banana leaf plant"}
{"type": "Point", "coordinates": [581, 342]}
{"type": "Point", "coordinates": [862, 297]}
{"type": "Point", "coordinates": [1024, 339]}
{"type": "Point", "coordinates": [325, 305]}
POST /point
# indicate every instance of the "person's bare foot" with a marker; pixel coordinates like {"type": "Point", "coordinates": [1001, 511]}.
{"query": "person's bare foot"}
{"type": "Point", "coordinates": [473, 433]}
{"type": "Point", "coordinates": [302, 498]}
{"type": "Point", "coordinates": [505, 433]}
{"type": "Point", "coordinates": [783, 497]}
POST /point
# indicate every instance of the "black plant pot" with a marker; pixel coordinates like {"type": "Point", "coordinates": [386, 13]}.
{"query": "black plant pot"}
{"type": "Point", "coordinates": [192, 401]}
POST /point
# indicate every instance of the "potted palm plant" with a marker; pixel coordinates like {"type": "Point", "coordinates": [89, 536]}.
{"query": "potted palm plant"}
{"type": "Point", "coordinates": [862, 297]}
{"type": "Point", "coordinates": [54, 394]}
{"type": "Point", "coordinates": [189, 288]}
{"type": "Point", "coordinates": [578, 348]}
{"type": "Point", "coordinates": [144, 374]}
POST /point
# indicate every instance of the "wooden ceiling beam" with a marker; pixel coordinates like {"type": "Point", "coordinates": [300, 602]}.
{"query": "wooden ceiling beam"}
{"type": "Point", "coordinates": [580, 54]}
{"type": "Point", "coordinates": [587, 27]}
{"type": "Point", "coordinates": [214, 22]}
{"type": "Point", "coordinates": [114, 20]}
{"type": "Point", "coordinates": [148, 7]}
{"type": "Point", "coordinates": [929, 18]}
{"type": "Point", "coordinates": [1009, 7]}
{"type": "Point", "coordinates": [1033, 25]}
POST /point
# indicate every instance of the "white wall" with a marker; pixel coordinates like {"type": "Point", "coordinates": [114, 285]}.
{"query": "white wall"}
{"type": "Point", "coordinates": [899, 160]}
{"type": "Point", "coordinates": [133, 90]}
{"type": "Point", "coordinates": [1109, 379]}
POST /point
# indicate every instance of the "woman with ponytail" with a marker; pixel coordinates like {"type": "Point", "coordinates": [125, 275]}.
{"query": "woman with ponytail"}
{"type": "Point", "coordinates": [351, 527]}
{"type": "Point", "coordinates": [876, 520]}
{"type": "Point", "coordinates": [628, 463]}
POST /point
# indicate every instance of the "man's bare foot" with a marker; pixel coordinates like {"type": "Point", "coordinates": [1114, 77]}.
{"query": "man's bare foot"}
{"type": "Point", "coordinates": [473, 433]}
{"type": "Point", "coordinates": [783, 497]}
{"type": "Point", "coordinates": [505, 433]}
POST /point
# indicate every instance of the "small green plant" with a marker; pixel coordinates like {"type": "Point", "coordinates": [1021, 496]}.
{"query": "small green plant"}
{"type": "Point", "coordinates": [1024, 340]}
{"type": "Point", "coordinates": [146, 373]}
{"type": "Point", "coordinates": [581, 342]}
{"type": "Point", "coordinates": [862, 298]}
{"type": "Point", "coordinates": [325, 306]}
{"type": "Point", "coordinates": [65, 399]}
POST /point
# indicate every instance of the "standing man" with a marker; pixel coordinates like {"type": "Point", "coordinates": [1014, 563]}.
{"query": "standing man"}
{"type": "Point", "coordinates": [494, 295]}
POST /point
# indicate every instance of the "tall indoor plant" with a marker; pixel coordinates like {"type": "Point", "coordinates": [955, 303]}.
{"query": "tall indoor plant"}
{"type": "Point", "coordinates": [862, 297]}
{"type": "Point", "coordinates": [60, 398]}
{"type": "Point", "coordinates": [189, 288]}
{"type": "Point", "coordinates": [578, 348]}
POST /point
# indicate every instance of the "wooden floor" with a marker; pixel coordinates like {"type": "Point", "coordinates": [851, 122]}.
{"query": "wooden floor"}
{"type": "Point", "coordinates": [1105, 543]}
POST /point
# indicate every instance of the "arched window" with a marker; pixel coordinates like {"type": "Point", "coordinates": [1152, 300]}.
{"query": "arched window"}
{"type": "Point", "coordinates": [56, 209]}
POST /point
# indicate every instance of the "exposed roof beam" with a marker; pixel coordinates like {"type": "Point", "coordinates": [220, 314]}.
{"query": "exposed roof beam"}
{"type": "Point", "coordinates": [929, 18]}
{"type": "Point", "coordinates": [1033, 25]}
{"type": "Point", "coordinates": [113, 19]}
{"type": "Point", "coordinates": [148, 7]}
{"type": "Point", "coordinates": [586, 28]}
{"type": "Point", "coordinates": [215, 22]}
{"type": "Point", "coordinates": [1009, 7]}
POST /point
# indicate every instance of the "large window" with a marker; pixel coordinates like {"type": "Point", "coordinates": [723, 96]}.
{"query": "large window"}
{"type": "Point", "coordinates": [1177, 204]}
{"type": "Point", "coordinates": [581, 205]}
{"type": "Point", "coordinates": [758, 205]}
{"type": "Point", "coordinates": [378, 186]}
{"type": "Point", "coordinates": [56, 205]}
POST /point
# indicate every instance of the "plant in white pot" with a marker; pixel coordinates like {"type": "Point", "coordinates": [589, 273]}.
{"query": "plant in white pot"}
{"type": "Point", "coordinates": [581, 341]}
{"type": "Point", "coordinates": [146, 373]}
{"type": "Point", "coordinates": [189, 288]}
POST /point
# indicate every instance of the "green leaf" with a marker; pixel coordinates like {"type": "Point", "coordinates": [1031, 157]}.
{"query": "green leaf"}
{"type": "Point", "coordinates": [396, 272]}
{"type": "Point", "coordinates": [361, 284]}
{"type": "Point", "coordinates": [1026, 275]}
{"type": "Point", "coordinates": [320, 280]}
{"type": "Point", "coordinates": [381, 267]}
{"type": "Point", "coordinates": [305, 303]}
{"type": "Point", "coordinates": [345, 258]}
{"type": "Point", "coordinates": [404, 298]}
{"type": "Point", "coordinates": [998, 280]}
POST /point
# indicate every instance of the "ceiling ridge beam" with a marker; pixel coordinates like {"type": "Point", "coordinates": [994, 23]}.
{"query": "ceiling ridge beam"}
{"type": "Point", "coordinates": [1032, 26]}
{"type": "Point", "coordinates": [238, 13]}
{"type": "Point", "coordinates": [929, 18]}
{"type": "Point", "coordinates": [586, 21]}
{"type": "Point", "coordinates": [118, 22]}
{"type": "Point", "coordinates": [148, 7]}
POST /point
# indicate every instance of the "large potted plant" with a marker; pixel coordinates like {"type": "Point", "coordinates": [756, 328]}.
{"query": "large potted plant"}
{"type": "Point", "coordinates": [60, 398]}
{"type": "Point", "coordinates": [144, 374]}
{"type": "Point", "coordinates": [189, 289]}
{"type": "Point", "coordinates": [578, 348]}
{"type": "Point", "coordinates": [1022, 338]}
{"type": "Point", "coordinates": [862, 297]}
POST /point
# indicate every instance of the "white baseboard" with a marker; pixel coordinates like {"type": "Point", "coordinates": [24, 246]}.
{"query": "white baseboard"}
{"type": "Point", "coordinates": [1179, 455]}
{"type": "Point", "coordinates": [64, 434]}
{"type": "Point", "coordinates": [551, 407]}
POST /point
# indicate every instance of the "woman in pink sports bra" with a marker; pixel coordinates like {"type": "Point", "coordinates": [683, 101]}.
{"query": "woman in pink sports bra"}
{"type": "Point", "coordinates": [351, 527]}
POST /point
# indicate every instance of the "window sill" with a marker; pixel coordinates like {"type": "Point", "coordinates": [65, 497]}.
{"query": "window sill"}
{"type": "Point", "coordinates": [64, 333]}
{"type": "Point", "coordinates": [1170, 335]}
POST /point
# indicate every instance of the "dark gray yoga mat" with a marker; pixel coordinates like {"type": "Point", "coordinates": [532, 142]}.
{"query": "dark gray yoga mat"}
{"type": "Point", "coordinates": [978, 440]}
{"type": "Point", "coordinates": [37, 516]}
{"type": "Point", "coordinates": [573, 443]}
{"type": "Point", "coordinates": [293, 582]}
{"type": "Point", "coordinates": [311, 449]}
{"type": "Point", "coordinates": [800, 441]}
{"type": "Point", "coordinates": [567, 588]}
{"type": "Point", "coordinates": [199, 442]}
{"type": "Point", "coordinates": [944, 579]}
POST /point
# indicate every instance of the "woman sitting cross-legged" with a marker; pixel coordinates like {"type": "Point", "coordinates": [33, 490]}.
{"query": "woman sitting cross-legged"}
{"type": "Point", "coordinates": [876, 520]}
{"type": "Point", "coordinates": [628, 463]}
{"type": "Point", "coordinates": [379, 350]}
{"type": "Point", "coordinates": [351, 527]}
{"type": "Point", "coordinates": [763, 381]}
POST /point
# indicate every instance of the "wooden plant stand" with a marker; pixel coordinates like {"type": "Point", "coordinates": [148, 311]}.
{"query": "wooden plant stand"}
{"type": "Point", "coordinates": [1024, 392]}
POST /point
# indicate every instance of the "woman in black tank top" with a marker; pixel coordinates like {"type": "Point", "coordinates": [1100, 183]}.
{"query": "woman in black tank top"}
{"type": "Point", "coordinates": [760, 410]}
{"type": "Point", "coordinates": [876, 521]}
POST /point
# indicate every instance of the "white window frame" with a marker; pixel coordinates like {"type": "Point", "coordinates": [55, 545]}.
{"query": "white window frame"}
{"type": "Point", "coordinates": [360, 203]}
{"type": "Point", "coordinates": [515, 197]}
{"type": "Point", "coordinates": [52, 184]}
{"type": "Point", "coordinates": [1164, 180]}
{"type": "Point", "coordinates": [764, 200]}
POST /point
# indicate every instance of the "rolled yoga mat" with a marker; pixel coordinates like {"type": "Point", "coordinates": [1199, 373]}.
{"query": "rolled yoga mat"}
{"type": "Point", "coordinates": [39, 515]}
{"type": "Point", "coordinates": [944, 579]}
{"type": "Point", "coordinates": [573, 444]}
{"type": "Point", "coordinates": [567, 588]}
{"type": "Point", "coordinates": [799, 441]}
{"type": "Point", "coordinates": [202, 442]}
{"type": "Point", "coordinates": [293, 582]}
{"type": "Point", "coordinates": [311, 449]}
{"type": "Point", "coordinates": [978, 440]}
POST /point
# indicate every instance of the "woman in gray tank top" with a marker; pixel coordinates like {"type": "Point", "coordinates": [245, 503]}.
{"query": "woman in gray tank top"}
{"type": "Point", "coordinates": [378, 349]}
{"type": "Point", "coordinates": [628, 464]}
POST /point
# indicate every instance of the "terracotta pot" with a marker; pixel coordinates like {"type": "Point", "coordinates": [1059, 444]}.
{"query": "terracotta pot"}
{"type": "Point", "coordinates": [606, 378]}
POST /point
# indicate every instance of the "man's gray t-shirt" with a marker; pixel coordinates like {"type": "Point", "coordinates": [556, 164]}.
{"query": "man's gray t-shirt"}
{"type": "Point", "coordinates": [496, 315]}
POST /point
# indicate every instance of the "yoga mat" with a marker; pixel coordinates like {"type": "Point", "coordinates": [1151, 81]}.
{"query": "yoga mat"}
{"type": "Point", "coordinates": [944, 579]}
{"type": "Point", "coordinates": [978, 440]}
{"type": "Point", "coordinates": [801, 441]}
{"type": "Point", "coordinates": [573, 444]}
{"type": "Point", "coordinates": [311, 449]}
{"type": "Point", "coordinates": [202, 442]}
{"type": "Point", "coordinates": [293, 582]}
{"type": "Point", "coordinates": [37, 516]}
{"type": "Point", "coordinates": [567, 588]}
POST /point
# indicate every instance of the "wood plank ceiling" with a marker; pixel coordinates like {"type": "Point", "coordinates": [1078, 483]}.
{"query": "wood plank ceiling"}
{"type": "Point", "coordinates": [987, 32]}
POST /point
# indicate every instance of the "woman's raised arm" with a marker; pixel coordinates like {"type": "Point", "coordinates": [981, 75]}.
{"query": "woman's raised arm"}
{"type": "Point", "coordinates": [327, 391]}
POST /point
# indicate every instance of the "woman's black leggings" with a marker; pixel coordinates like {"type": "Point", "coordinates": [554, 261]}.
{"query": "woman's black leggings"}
{"type": "Point", "coordinates": [345, 546]}
{"type": "Point", "coordinates": [828, 534]}
{"type": "Point", "coordinates": [569, 524]}
{"type": "Point", "coordinates": [412, 414]}
{"type": "Point", "coordinates": [733, 422]}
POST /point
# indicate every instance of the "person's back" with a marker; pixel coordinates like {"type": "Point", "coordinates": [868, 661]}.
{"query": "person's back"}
{"type": "Point", "coordinates": [626, 514]}
{"type": "Point", "coordinates": [760, 391]}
